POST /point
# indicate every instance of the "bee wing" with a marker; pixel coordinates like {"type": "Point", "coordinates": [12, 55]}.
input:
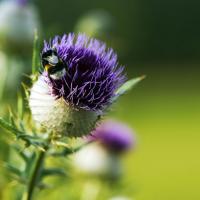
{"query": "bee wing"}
{"type": "Point", "coordinates": [53, 60]}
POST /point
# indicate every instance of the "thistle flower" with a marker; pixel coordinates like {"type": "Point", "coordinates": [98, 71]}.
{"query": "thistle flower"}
{"type": "Point", "coordinates": [114, 136]}
{"type": "Point", "coordinates": [80, 82]}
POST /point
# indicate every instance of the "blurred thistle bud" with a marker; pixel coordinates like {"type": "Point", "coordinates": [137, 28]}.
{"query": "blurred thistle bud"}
{"type": "Point", "coordinates": [22, 2]}
{"type": "Point", "coordinates": [18, 20]}
{"type": "Point", "coordinates": [114, 136]}
{"type": "Point", "coordinates": [102, 156]}
{"type": "Point", "coordinates": [93, 160]}
{"type": "Point", "coordinates": [80, 81]}
{"type": "Point", "coordinates": [95, 23]}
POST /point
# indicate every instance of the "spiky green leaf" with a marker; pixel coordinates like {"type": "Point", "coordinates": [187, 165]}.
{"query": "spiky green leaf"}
{"type": "Point", "coordinates": [20, 108]}
{"type": "Point", "coordinates": [128, 85]}
{"type": "Point", "coordinates": [68, 151]}
{"type": "Point", "coordinates": [9, 127]}
{"type": "Point", "coordinates": [12, 169]}
{"type": "Point", "coordinates": [12, 119]}
{"type": "Point", "coordinates": [21, 153]}
{"type": "Point", "coordinates": [53, 172]}
{"type": "Point", "coordinates": [35, 57]}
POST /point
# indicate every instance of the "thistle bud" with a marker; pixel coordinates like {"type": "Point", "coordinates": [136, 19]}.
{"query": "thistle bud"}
{"type": "Point", "coordinates": [102, 156]}
{"type": "Point", "coordinates": [114, 136]}
{"type": "Point", "coordinates": [18, 20]}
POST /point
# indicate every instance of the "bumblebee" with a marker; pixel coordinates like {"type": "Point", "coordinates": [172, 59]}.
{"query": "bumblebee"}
{"type": "Point", "coordinates": [54, 65]}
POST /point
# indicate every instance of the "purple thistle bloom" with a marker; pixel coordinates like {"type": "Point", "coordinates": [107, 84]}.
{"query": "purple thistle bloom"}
{"type": "Point", "coordinates": [115, 136]}
{"type": "Point", "coordinates": [81, 79]}
{"type": "Point", "coordinates": [91, 74]}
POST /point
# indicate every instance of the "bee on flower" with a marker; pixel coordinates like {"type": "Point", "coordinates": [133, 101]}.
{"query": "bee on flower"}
{"type": "Point", "coordinates": [78, 83]}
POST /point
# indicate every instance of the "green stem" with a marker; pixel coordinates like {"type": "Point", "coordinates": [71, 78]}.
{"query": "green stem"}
{"type": "Point", "coordinates": [36, 174]}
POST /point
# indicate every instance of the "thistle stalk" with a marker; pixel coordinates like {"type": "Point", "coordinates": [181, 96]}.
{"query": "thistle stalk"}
{"type": "Point", "coordinates": [35, 175]}
{"type": "Point", "coordinates": [37, 171]}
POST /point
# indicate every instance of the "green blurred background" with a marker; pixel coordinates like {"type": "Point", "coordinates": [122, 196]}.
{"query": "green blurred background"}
{"type": "Point", "coordinates": [160, 39]}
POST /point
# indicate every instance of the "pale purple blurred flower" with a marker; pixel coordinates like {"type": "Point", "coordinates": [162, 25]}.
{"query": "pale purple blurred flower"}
{"type": "Point", "coordinates": [22, 2]}
{"type": "Point", "coordinates": [114, 135]}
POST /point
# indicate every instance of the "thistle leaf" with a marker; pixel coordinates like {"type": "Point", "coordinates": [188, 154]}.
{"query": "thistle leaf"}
{"type": "Point", "coordinates": [9, 127]}
{"type": "Point", "coordinates": [12, 169]}
{"type": "Point", "coordinates": [53, 172]}
{"type": "Point", "coordinates": [20, 106]}
{"type": "Point", "coordinates": [29, 164]}
{"type": "Point", "coordinates": [30, 140]}
{"type": "Point", "coordinates": [128, 85]}
{"type": "Point", "coordinates": [43, 186]}
{"type": "Point", "coordinates": [22, 127]}
{"type": "Point", "coordinates": [67, 151]}
{"type": "Point", "coordinates": [21, 153]}
{"type": "Point", "coordinates": [11, 119]}
{"type": "Point", "coordinates": [35, 57]}
{"type": "Point", "coordinates": [26, 90]}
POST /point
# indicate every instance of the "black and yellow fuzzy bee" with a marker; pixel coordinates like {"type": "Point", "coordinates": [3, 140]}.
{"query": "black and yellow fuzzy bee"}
{"type": "Point", "coordinates": [53, 64]}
